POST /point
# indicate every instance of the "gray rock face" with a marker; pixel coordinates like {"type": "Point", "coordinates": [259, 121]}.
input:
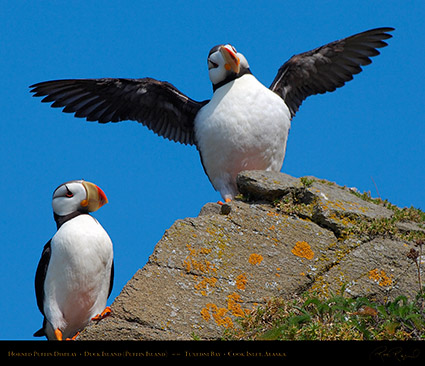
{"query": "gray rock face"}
{"type": "Point", "coordinates": [284, 237]}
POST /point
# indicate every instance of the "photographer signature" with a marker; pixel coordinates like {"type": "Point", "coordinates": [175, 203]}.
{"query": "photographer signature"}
{"type": "Point", "coordinates": [394, 353]}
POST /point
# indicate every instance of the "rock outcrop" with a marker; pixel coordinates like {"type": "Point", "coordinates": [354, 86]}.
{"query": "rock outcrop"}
{"type": "Point", "coordinates": [282, 237]}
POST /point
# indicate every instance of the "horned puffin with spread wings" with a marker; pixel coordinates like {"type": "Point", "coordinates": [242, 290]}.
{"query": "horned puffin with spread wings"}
{"type": "Point", "coordinates": [244, 126]}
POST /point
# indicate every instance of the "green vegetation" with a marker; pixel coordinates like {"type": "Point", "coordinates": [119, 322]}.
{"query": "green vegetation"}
{"type": "Point", "coordinates": [307, 182]}
{"type": "Point", "coordinates": [336, 318]}
{"type": "Point", "coordinates": [389, 227]}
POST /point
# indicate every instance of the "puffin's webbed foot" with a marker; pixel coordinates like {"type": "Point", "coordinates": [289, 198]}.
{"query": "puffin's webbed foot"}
{"type": "Point", "coordinates": [58, 334]}
{"type": "Point", "coordinates": [227, 200]}
{"type": "Point", "coordinates": [103, 314]}
{"type": "Point", "coordinates": [73, 338]}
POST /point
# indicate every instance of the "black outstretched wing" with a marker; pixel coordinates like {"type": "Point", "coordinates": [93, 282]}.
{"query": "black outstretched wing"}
{"type": "Point", "coordinates": [158, 105]}
{"type": "Point", "coordinates": [326, 68]}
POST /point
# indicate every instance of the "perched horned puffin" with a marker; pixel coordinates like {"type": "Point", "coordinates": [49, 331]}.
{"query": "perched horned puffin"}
{"type": "Point", "coordinates": [75, 274]}
{"type": "Point", "coordinates": [244, 126]}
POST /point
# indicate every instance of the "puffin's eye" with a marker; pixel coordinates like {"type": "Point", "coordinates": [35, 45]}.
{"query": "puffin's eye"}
{"type": "Point", "coordinates": [68, 192]}
{"type": "Point", "coordinates": [212, 65]}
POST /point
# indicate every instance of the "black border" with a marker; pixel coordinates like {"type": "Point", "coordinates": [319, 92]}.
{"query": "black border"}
{"type": "Point", "coordinates": [282, 351]}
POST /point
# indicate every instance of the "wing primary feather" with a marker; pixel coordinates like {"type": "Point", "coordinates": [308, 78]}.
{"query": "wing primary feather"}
{"type": "Point", "coordinates": [155, 104]}
{"type": "Point", "coordinates": [328, 67]}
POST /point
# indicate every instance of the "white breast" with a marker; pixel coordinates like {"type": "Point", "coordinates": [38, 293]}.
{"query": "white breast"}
{"type": "Point", "coordinates": [77, 280]}
{"type": "Point", "coordinates": [244, 127]}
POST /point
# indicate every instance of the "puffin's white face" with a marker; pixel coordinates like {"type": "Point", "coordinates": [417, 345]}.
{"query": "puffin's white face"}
{"type": "Point", "coordinates": [77, 195]}
{"type": "Point", "coordinates": [223, 61]}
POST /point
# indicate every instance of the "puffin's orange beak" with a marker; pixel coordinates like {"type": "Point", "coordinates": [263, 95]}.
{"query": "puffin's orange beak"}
{"type": "Point", "coordinates": [96, 198]}
{"type": "Point", "coordinates": [232, 60]}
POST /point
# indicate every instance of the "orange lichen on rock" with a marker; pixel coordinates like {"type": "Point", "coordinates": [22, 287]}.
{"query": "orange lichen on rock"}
{"type": "Point", "coordinates": [205, 312]}
{"type": "Point", "coordinates": [302, 249]}
{"type": "Point", "coordinates": [380, 277]}
{"type": "Point", "coordinates": [221, 315]}
{"type": "Point", "coordinates": [234, 306]}
{"type": "Point", "coordinates": [205, 284]}
{"type": "Point", "coordinates": [272, 213]}
{"type": "Point", "coordinates": [218, 314]}
{"type": "Point", "coordinates": [255, 258]}
{"type": "Point", "coordinates": [241, 281]}
{"type": "Point", "coordinates": [194, 260]}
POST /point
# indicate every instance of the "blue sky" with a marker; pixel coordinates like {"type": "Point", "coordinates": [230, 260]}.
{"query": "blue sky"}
{"type": "Point", "coordinates": [371, 130]}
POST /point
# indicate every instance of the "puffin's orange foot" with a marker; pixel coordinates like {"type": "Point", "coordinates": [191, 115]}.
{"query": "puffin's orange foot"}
{"type": "Point", "coordinates": [227, 200]}
{"type": "Point", "coordinates": [58, 334]}
{"type": "Point", "coordinates": [73, 338]}
{"type": "Point", "coordinates": [103, 314]}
